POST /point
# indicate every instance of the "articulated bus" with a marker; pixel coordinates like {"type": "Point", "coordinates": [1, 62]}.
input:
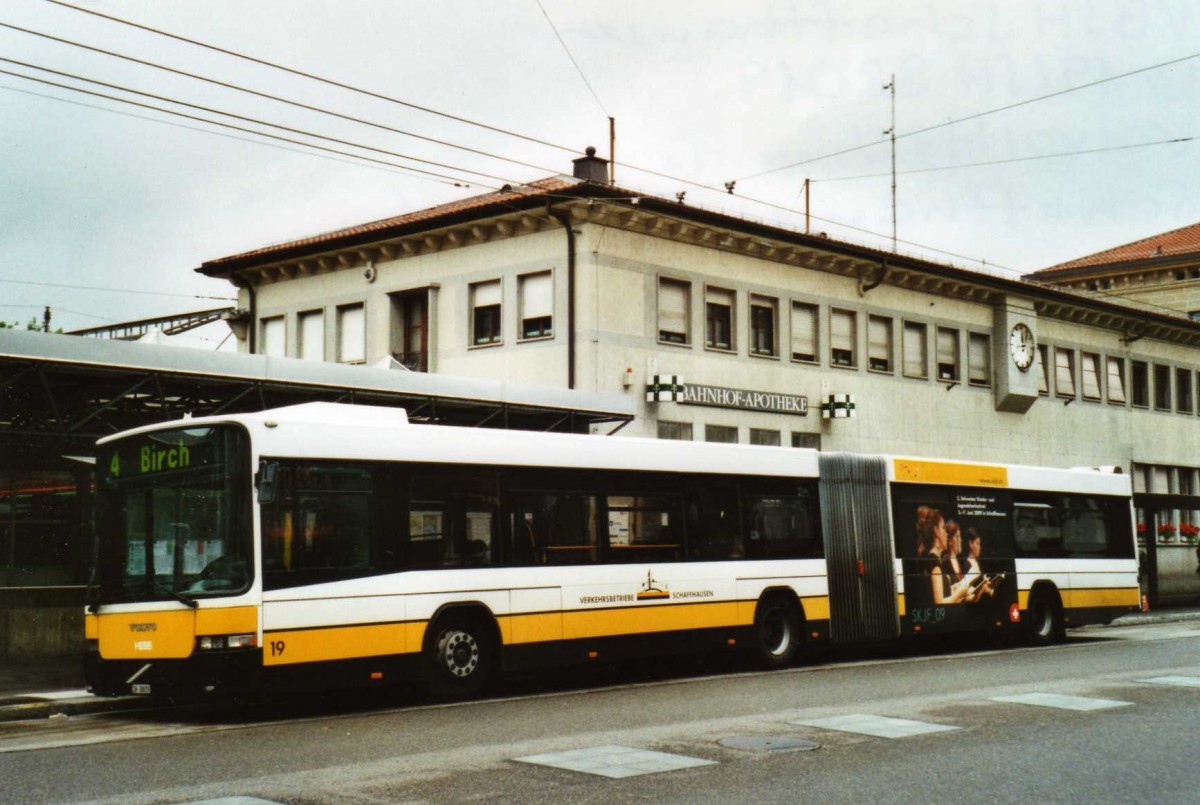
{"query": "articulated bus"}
{"type": "Point", "coordinates": [332, 545]}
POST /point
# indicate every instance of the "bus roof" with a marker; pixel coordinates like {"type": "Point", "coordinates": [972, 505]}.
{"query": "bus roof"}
{"type": "Point", "coordinates": [321, 430]}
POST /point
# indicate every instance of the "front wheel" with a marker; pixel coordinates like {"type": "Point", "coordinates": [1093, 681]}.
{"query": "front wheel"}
{"type": "Point", "coordinates": [460, 658]}
{"type": "Point", "coordinates": [777, 632]}
{"type": "Point", "coordinates": [1045, 620]}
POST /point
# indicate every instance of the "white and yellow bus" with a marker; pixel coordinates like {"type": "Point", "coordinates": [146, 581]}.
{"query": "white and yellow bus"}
{"type": "Point", "coordinates": [331, 545]}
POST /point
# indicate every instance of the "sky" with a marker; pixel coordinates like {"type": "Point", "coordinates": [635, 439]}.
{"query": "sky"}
{"type": "Point", "coordinates": [106, 209]}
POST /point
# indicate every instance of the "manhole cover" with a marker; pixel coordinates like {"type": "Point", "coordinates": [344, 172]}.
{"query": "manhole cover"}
{"type": "Point", "coordinates": [769, 743]}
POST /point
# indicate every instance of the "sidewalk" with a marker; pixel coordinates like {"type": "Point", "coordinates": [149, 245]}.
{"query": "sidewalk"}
{"type": "Point", "coordinates": [43, 687]}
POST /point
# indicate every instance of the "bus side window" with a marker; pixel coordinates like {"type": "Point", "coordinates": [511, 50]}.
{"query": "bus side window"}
{"type": "Point", "coordinates": [714, 522]}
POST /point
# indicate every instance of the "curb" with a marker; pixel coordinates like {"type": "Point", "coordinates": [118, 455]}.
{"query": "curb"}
{"type": "Point", "coordinates": [28, 708]}
{"type": "Point", "coordinates": [1148, 618]}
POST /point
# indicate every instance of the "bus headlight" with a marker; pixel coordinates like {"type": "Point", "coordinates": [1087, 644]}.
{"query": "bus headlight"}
{"type": "Point", "coordinates": [220, 642]}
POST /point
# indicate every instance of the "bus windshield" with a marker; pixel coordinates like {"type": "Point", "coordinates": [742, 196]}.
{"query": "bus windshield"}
{"type": "Point", "coordinates": [173, 516]}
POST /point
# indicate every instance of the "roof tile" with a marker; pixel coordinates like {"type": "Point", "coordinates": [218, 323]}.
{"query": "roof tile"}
{"type": "Point", "coordinates": [1177, 242]}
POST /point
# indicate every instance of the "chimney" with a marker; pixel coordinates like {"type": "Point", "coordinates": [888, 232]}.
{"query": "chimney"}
{"type": "Point", "coordinates": [591, 168]}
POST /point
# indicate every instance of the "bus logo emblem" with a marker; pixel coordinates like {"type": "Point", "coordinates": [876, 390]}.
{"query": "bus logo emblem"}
{"type": "Point", "coordinates": [650, 590]}
{"type": "Point", "coordinates": [143, 627]}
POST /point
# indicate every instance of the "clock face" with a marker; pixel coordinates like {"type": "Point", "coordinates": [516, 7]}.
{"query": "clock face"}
{"type": "Point", "coordinates": [1021, 346]}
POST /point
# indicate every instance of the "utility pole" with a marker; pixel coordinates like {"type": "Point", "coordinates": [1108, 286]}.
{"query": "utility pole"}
{"type": "Point", "coordinates": [891, 85]}
{"type": "Point", "coordinates": [806, 218]}
{"type": "Point", "coordinates": [46, 320]}
{"type": "Point", "coordinates": [612, 150]}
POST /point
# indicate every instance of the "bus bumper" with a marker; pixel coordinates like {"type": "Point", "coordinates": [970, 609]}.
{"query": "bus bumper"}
{"type": "Point", "coordinates": [219, 673]}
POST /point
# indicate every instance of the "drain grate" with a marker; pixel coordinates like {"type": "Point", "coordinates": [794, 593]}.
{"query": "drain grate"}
{"type": "Point", "coordinates": [769, 743]}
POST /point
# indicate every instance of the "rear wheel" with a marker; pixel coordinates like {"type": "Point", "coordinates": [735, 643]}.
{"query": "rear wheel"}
{"type": "Point", "coordinates": [777, 631]}
{"type": "Point", "coordinates": [460, 657]}
{"type": "Point", "coordinates": [1045, 619]}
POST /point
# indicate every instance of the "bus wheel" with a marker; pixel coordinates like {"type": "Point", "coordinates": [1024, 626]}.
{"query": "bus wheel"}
{"type": "Point", "coordinates": [777, 631]}
{"type": "Point", "coordinates": [460, 657]}
{"type": "Point", "coordinates": [1045, 619]}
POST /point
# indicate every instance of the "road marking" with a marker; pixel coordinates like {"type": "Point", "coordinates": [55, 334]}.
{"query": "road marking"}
{"type": "Point", "coordinates": [1080, 703]}
{"type": "Point", "coordinates": [1179, 681]}
{"type": "Point", "coordinates": [878, 726]}
{"type": "Point", "coordinates": [615, 761]}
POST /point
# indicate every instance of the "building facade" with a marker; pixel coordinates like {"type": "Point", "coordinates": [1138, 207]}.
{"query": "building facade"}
{"type": "Point", "coordinates": [1161, 270]}
{"type": "Point", "coordinates": [724, 329]}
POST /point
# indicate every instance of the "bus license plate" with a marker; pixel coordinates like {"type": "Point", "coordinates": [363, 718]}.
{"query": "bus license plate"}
{"type": "Point", "coordinates": [141, 690]}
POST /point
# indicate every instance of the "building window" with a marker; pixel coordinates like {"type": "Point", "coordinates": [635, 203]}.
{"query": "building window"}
{"type": "Point", "coordinates": [1090, 366]}
{"type": "Point", "coordinates": [764, 313]}
{"type": "Point", "coordinates": [718, 318]}
{"type": "Point", "coordinates": [879, 343]}
{"type": "Point", "coordinates": [1116, 381]}
{"type": "Point", "coordinates": [485, 313]}
{"type": "Point", "coordinates": [811, 441]}
{"type": "Point", "coordinates": [273, 337]}
{"type": "Point", "coordinates": [843, 335]}
{"type": "Point", "coordinates": [352, 334]}
{"type": "Point", "coordinates": [674, 302]}
{"type": "Point", "coordinates": [804, 332]}
{"type": "Point", "coordinates": [676, 431]}
{"type": "Point", "coordinates": [1162, 388]}
{"type": "Point", "coordinates": [947, 355]}
{"type": "Point", "coordinates": [535, 293]}
{"type": "Point", "coordinates": [721, 433]}
{"type": "Point", "coordinates": [1064, 372]}
{"type": "Point", "coordinates": [979, 359]}
{"type": "Point", "coordinates": [1139, 382]}
{"type": "Point", "coordinates": [1183, 391]}
{"type": "Point", "coordinates": [312, 335]}
{"type": "Point", "coordinates": [916, 350]}
{"type": "Point", "coordinates": [1044, 370]}
{"type": "Point", "coordinates": [764, 438]}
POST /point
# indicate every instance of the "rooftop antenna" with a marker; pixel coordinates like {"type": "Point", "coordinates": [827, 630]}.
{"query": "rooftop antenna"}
{"type": "Point", "coordinates": [891, 85]}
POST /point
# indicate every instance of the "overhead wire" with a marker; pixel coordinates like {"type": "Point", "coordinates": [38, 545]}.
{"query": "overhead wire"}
{"type": "Point", "coordinates": [246, 130]}
{"type": "Point", "coordinates": [266, 95]}
{"type": "Point", "coordinates": [114, 290]}
{"type": "Point", "coordinates": [570, 56]}
{"type": "Point", "coordinates": [1173, 141]}
{"type": "Point", "coordinates": [311, 76]}
{"type": "Point", "coordinates": [976, 115]}
{"type": "Point", "coordinates": [248, 119]}
{"type": "Point", "coordinates": [108, 110]}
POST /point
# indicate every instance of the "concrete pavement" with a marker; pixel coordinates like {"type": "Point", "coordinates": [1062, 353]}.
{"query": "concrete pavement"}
{"type": "Point", "coordinates": [46, 687]}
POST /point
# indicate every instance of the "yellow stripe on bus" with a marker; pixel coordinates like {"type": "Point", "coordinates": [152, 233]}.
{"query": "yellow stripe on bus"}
{"type": "Point", "coordinates": [334, 643]}
{"type": "Point", "coordinates": [230, 620]}
{"type": "Point", "coordinates": [287, 647]}
{"type": "Point", "coordinates": [1081, 599]}
{"type": "Point", "coordinates": [945, 472]}
{"type": "Point", "coordinates": [1111, 597]}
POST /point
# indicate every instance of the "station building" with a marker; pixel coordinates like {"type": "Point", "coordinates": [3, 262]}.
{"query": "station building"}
{"type": "Point", "coordinates": [719, 328]}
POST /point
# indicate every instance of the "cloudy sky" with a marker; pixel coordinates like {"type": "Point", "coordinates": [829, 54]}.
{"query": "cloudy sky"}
{"type": "Point", "coordinates": [106, 208]}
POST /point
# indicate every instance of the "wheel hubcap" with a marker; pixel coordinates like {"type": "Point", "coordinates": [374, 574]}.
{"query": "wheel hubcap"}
{"type": "Point", "coordinates": [460, 653]}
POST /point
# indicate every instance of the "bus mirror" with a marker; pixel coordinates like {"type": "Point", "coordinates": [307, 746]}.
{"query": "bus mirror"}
{"type": "Point", "coordinates": [265, 482]}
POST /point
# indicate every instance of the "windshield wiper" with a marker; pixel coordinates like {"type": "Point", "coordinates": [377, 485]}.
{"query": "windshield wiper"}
{"type": "Point", "coordinates": [180, 597]}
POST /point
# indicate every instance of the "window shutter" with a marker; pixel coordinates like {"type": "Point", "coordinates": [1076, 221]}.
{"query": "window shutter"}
{"type": "Point", "coordinates": [978, 359]}
{"type": "Point", "coordinates": [947, 346]}
{"type": "Point", "coordinates": [672, 307]}
{"type": "Point", "coordinates": [879, 339]}
{"type": "Point", "coordinates": [537, 296]}
{"type": "Point", "coordinates": [1091, 376]}
{"type": "Point", "coordinates": [352, 334]}
{"type": "Point", "coordinates": [1116, 380]}
{"type": "Point", "coordinates": [804, 332]}
{"type": "Point", "coordinates": [273, 337]}
{"type": "Point", "coordinates": [486, 293]}
{"type": "Point", "coordinates": [1044, 371]}
{"type": "Point", "coordinates": [1064, 376]}
{"type": "Point", "coordinates": [915, 362]}
{"type": "Point", "coordinates": [841, 330]}
{"type": "Point", "coordinates": [312, 335]}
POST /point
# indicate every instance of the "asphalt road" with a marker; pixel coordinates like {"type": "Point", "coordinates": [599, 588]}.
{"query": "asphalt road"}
{"type": "Point", "coordinates": [404, 749]}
